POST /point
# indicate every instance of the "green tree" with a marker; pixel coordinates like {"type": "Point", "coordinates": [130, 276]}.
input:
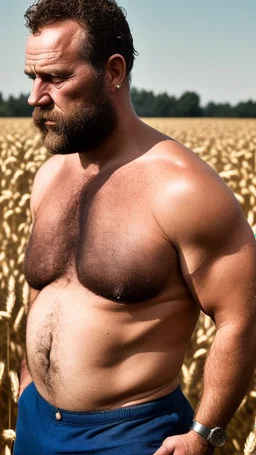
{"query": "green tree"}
{"type": "Point", "coordinates": [189, 105]}
{"type": "Point", "coordinates": [165, 105]}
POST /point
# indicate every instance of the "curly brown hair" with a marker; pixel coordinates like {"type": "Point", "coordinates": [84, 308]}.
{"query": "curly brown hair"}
{"type": "Point", "coordinates": [104, 21]}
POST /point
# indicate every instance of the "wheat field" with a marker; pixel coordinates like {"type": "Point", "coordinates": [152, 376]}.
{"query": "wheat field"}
{"type": "Point", "coordinates": [229, 146]}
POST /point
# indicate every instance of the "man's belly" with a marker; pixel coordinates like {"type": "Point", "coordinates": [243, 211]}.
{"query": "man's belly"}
{"type": "Point", "coordinates": [87, 353]}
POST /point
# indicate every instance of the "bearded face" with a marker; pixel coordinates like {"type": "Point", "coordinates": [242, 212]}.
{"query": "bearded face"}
{"type": "Point", "coordinates": [73, 109]}
{"type": "Point", "coordinates": [83, 129]}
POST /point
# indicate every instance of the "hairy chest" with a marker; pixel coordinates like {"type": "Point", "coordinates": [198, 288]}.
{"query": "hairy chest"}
{"type": "Point", "coordinates": [106, 234]}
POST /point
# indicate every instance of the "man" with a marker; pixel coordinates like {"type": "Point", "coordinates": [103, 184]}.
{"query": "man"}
{"type": "Point", "coordinates": [132, 235]}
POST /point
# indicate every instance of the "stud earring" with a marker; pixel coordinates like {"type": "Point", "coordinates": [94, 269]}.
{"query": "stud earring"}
{"type": "Point", "coordinates": [118, 86]}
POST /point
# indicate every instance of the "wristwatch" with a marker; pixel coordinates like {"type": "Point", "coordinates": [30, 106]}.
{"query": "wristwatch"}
{"type": "Point", "coordinates": [215, 436]}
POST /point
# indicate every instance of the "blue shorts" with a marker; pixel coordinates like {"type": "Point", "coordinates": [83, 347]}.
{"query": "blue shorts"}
{"type": "Point", "coordinates": [131, 430]}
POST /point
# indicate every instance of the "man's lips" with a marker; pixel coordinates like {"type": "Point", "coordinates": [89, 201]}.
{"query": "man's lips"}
{"type": "Point", "coordinates": [49, 122]}
{"type": "Point", "coordinates": [43, 119]}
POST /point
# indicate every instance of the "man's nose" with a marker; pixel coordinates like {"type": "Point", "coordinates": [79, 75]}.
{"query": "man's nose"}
{"type": "Point", "coordinates": [39, 95]}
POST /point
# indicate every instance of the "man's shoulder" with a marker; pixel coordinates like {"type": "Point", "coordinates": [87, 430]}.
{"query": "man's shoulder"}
{"type": "Point", "coordinates": [180, 171]}
{"type": "Point", "coordinates": [44, 177]}
{"type": "Point", "coordinates": [50, 167]}
{"type": "Point", "coordinates": [191, 196]}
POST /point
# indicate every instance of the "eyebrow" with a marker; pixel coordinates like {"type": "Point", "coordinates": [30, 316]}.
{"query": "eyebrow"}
{"type": "Point", "coordinates": [50, 71]}
{"type": "Point", "coordinates": [28, 73]}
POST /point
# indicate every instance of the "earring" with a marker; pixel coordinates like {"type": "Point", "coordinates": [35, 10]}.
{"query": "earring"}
{"type": "Point", "coordinates": [118, 86]}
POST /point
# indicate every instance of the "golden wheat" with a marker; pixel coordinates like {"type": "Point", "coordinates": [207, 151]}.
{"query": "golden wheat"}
{"type": "Point", "coordinates": [229, 146]}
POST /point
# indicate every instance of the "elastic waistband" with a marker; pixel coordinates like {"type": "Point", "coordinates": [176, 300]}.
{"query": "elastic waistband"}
{"type": "Point", "coordinates": [160, 406]}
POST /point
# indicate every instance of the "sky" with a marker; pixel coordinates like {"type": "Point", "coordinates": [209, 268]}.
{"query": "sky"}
{"type": "Point", "coordinates": [198, 45]}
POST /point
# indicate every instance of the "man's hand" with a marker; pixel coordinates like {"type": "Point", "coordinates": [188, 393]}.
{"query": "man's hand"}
{"type": "Point", "coordinates": [185, 444]}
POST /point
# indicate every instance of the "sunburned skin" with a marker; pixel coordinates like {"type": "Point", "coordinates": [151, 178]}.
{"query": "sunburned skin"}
{"type": "Point", "coordinates": [113, 316]}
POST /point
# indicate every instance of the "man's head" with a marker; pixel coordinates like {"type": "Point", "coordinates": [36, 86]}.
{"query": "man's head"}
{"type": "Point", "coordinates": [106, 30]}
{"type": "Point", "coordinates": [78, 53]}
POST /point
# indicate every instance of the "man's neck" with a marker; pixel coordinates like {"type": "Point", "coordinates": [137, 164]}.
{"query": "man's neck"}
{"type": "Point", "coordinates": [119, 146]}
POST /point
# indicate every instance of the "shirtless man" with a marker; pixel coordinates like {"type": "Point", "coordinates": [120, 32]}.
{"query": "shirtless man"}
{"type": "Point", "coordinates": [132, 236]}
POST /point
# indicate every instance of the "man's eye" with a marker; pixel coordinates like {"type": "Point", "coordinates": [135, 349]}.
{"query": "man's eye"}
{"type": "Point", "coordinates": [58, 79]}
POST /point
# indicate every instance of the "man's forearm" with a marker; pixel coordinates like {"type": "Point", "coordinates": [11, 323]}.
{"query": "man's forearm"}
{"type": "Point", "coordinates": [25, 376]}
{"type": "Point", "coordinates": [228, 370]}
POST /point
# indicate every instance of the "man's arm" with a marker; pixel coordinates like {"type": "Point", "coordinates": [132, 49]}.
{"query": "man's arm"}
{"type": "Point", "coordinates": [217, 254]}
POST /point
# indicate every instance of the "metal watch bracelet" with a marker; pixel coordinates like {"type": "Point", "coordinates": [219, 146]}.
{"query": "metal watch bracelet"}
{"type": "Point", "coordinates": [215, 436]}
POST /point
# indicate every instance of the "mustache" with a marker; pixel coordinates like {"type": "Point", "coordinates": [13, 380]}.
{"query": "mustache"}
{"type": "Point", "coordinates": [39, 116]}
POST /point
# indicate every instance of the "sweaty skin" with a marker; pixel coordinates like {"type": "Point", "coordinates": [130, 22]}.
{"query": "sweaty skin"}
{"type": "Point", "coordinates": [129, 242]}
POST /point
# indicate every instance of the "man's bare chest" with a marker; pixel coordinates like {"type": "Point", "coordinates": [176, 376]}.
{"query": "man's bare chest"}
{"type": "Point", "coordinates": [105, 233]}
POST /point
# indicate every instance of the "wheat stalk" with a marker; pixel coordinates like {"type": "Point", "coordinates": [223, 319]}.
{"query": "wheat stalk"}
{"type": "Point", "coordinates": [250, 444]}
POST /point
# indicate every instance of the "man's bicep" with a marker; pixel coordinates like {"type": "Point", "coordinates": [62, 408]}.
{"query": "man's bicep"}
{"type": "Point", "coordinates": [220, 272]}
{"type": "Point", "coordinates": [215, 245]}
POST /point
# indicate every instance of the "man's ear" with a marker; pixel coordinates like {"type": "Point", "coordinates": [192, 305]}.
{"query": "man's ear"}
{"type": "Point", "coordinates": [115, 72]}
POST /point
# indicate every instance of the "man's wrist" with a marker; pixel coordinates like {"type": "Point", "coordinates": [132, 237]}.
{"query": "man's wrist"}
{"type": "Point", "coordinates": [215, 436]}
{"type": "Point", "coordinates": [198, 445]}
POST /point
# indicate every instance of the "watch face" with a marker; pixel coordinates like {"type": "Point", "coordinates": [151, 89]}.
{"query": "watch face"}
{"type": "Point", "coordinates": [217, 437]}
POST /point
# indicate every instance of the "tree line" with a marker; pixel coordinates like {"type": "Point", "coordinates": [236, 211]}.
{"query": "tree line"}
{"type": "Point", "coordinates": [148, 104]}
